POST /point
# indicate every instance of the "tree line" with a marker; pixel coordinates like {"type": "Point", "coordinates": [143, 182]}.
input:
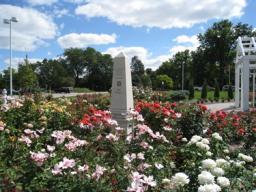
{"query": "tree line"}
{"type": "Point", "coordinates": [212, 62]}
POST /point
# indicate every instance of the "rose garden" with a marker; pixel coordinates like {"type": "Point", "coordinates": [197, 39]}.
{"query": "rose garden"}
{"type": "Point", "coordinates": [74, 144]}
{"type": "Point", "coordinates": [92, 120]}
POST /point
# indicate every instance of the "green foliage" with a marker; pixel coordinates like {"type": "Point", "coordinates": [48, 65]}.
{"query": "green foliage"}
{"type": "Point", "coordinates": [98, 71]}
{"type": "Point", "coordinates": [191, 122]}
{"type": "Point", "coordinates": [52, 74]}
{"type": "Point", "coordinates": [26, 77]}
{"type": "Point", "coordinates": [146, 81]}
{"type": "Point", "coordinates": [164, 82]}
{"type": "Point", "coordinates": [137, 66]}
{"type": "Point", "coordinates": [173, 68]}
{"type": "Point", "coordinates": [230, 92]}
{"type": "Point", "coordinates": [75, 62]}
{"type": "Point", "coordinates": [204, 90]}
{"type": "Point", "coordinates": [178, 95]}
{"type": "Point", "coordinates": [216, 90]}
{"type": "Point", "coordinates": [137, 70]}
{"type": "Point", "coordinates": [191, 91]}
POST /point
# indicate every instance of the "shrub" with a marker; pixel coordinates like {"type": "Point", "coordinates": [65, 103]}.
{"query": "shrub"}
{"type": "Point", "coordinates": [204, 91]}
{"type": "Point", "coordinates": [230, 92]}
{"type": "Point", "coordinates": [191, 91]}
{"type": "Point", "coordinates": [178, 95]}
{"type": "Point", "coordinates": [191, 121]}
{"type": "Point", "coordinates": [216, 90]}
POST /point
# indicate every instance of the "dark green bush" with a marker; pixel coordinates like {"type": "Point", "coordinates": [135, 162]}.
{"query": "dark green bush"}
{"type": "Point", "coordinates": [191, 91]}
{"type": "Point", "coordinates": [230, 92]}
{"type": "Point", "coordinates": [204, 91]}
{"type": "Point", "coordinates": [178, 95]}
{"type": "Point", "coordinates": [216, 90]}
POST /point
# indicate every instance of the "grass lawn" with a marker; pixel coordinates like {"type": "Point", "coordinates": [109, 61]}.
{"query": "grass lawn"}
{"type": "Point", "coordinates": [210, 95]}
{"type": "Point", "coordinates": [81, 90]}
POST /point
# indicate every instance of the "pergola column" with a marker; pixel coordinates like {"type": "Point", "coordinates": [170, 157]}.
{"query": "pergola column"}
{"type": "Point", "coordinates": [245, 85]}
{"type": "Point", "coordinates": [237, 85]}
{"type": "Point", "coordinates": [253, 90]}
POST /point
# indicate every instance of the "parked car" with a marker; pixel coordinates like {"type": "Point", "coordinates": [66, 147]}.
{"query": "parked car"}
{"type": "Point", "coordinates": [225, 87]}
{"type": "Point", "coordinates": [198, 88]}
{"type": "Point", "coordinates": [64, 90]}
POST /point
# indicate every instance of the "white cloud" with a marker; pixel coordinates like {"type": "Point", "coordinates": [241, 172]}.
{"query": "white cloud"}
{"type": "Point", "coordinates": [83, 40]}
{"type": "Point", "coordinates": [31, 31]}
{"type": "Point", "coordinates": [143, 54]}
{"type": "Point", "coordinates": [162, 14]}
{"type": "Point", "coordinates": [41, 2]}
{"type": "Point", "coordinates": [60, 12]}
{"type": "Point", "coordinates": [76, 1]}
{"type": "Point", "coordinates": [16, 61]}
{"type": "Point", "coordinates": [185, 42]}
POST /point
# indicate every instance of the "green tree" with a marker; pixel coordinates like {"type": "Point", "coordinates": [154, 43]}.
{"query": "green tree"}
{"type": "Point", "coordinates": [26, 77]}
{"type": "Point", "coordinates": [52, 74]}
{"type": "Point", "coordinates": [137, 70]}
{"type": "Point", "coordinates": [137, 66]}
{"type": "Point", "coordinates": [218, 44]}
{"type": "Point", "coordinates": [164, 82]}
{"type": "Point", "coordinates": [6, 78]}
{"type": "Point", "coordinates": [99, 70]}
{"type": "Point", "coordinates": [173, 68]}
{"type": "Point", "coordinates": [75, 62]}
{"type": "Point", "coordinates": [146, 81]}
{"type": "Point", "coordinates": [1, 81]}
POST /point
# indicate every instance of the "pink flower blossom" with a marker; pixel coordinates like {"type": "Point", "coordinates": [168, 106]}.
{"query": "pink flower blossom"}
{"type": "Point", "coordinates": [83, 168]}
{"type": "Point", "coordinates": [25, 140]}
{"type": "Point", "coordinates": [98, 172]}
{"type": "Point", "coordinates": [2, 125]}
{"type": "Point", "coordinates": [149, 181]}
{"type": "Point", "coordinates": [67, 163]}
{"type": "Point", "coordinates": [112, 137]}
{"type": "Point", "coordinates": [74, 144]}
{"type": "Point", "coordinates": [57, 170]}
{"type": "Point", "coordinates": [159, 166]}
{"type": "Point", "coordinates": [50, 148]}
{"type": "Point", "coordinates": [39, 157]}
{"type": "Point", "coordinates": [31, 133]}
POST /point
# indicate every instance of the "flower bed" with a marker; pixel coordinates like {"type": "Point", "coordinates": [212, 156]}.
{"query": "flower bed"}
{"type": "Point", "coordinates": [73, 146]}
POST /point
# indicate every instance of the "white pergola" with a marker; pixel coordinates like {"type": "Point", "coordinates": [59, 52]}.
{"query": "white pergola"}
{"type": "Point", "coordinates": [245, 69]}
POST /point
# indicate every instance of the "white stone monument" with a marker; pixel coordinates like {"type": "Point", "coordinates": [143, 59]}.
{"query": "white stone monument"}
{"type": "Point", "coordinates": [4, 93]}
{"type": "Point", "coordinates": [121, 93]}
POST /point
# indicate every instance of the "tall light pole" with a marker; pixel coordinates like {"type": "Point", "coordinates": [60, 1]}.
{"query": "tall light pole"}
{"type": "Point", "coordinates": [9, 22]}
{"type": "Point", "coordinates": [182, 76]}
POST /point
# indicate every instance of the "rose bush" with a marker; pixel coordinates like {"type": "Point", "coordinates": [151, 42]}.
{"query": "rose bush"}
{"type": "Point", "coordinates": [64, 145]}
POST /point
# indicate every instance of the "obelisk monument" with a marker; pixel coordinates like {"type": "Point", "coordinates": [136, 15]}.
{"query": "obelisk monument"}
{"type": "Point", "coordinates": [121, 93]}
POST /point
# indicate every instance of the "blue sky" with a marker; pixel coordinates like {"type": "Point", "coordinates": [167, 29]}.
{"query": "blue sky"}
{"type": "Point", "coordinates": [152, 30]}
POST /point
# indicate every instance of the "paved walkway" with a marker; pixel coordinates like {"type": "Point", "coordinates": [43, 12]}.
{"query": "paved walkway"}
{"type": "Point", "coordinates": [230, 106]}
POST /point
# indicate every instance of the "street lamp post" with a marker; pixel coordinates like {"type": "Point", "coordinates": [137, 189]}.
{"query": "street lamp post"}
{"type": "Point", "coordinates": [9, 22]}
{"type": "Point", "coordinates": [182, 76]}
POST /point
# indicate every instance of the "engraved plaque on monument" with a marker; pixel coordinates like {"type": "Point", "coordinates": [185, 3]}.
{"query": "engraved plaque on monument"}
{"type": "Point", "coordinates": [121, 93]}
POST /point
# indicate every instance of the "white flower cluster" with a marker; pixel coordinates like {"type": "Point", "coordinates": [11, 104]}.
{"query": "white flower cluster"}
{"type": "Point", "coordinates": [212, 169]}
{"type": "Point", "coordinates": [200, 142]}
{"type": "Point", "coordinates": [245, 158]}
{"type": "Point", "coordinates": [217, 136]}
{"type": "Point", "coordinates": [178, 180]}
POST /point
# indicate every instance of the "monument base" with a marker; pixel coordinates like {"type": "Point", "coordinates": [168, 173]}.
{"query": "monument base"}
{"type": "Point", "coordinates": [122, 121]}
